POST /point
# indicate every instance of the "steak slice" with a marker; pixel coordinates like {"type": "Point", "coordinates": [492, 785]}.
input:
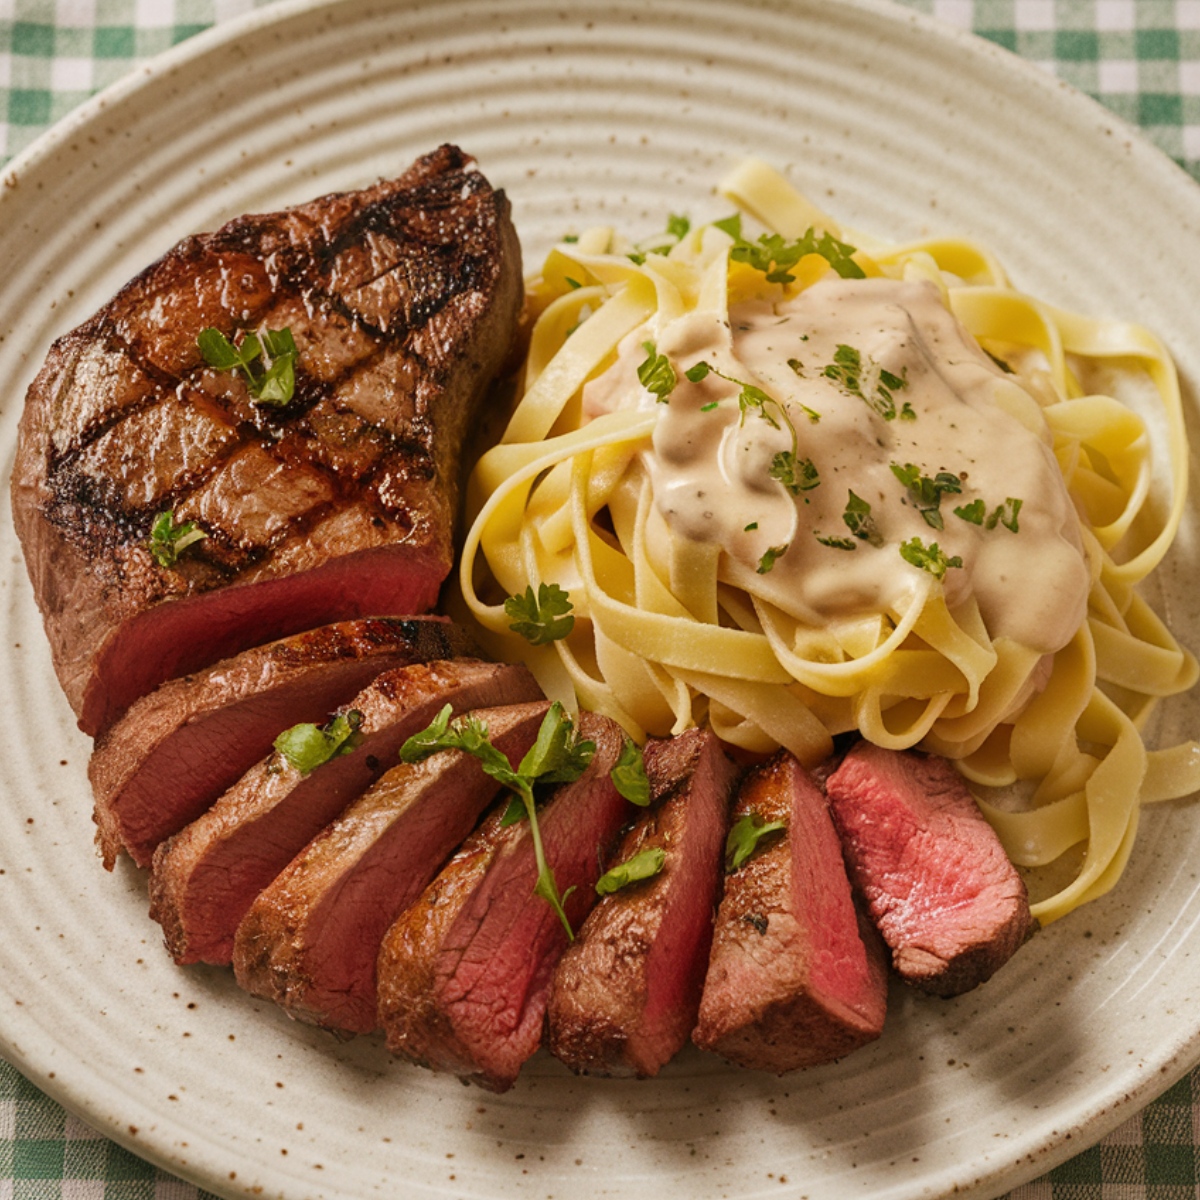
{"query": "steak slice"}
{"type": "Point", "coordinates": [464, 975]}
{"type": "Point", "coordinates": [179, 748]}
{"type": "Point", "coordinates": [403, 300]}
{"type": "Point", "coordinates": [626, 994]}
{"type": "Point", "coordinates": [938, 884]}
{"type": "Point", "coordinates": [310, 940]}
{"type": "Point", "coordinates": [205, 877]}
{"type": "Point", "coordinates": [791, 982]}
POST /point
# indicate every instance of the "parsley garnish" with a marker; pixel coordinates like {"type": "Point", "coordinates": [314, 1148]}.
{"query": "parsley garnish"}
{"type": "Point", "coordinates": [858, 519]}
{"type": "Point", "coordinates": [929, 558]}
{"type": "Point", "coordinates": [641, 866]}
{"type": "Point", "coordinates": [656, 374]}
{"type": "Point", "coordinates": [774, 256]}
{"type": "Point", "coordinates": [926, 493]}
{"type": "Point", "coordinates": [872, 384]}
{"type": "Point", "coordinates": [1005, 514]}
{"type": "Point", "coordinates": [277, 349]}
{"type": "Point", "coordinates": [678, 226]}
{"type": "Point", "coordinates": [629, 775]}
{"type": "Point", "coordinates": [168, 541]}
{"type": "Point", "coordinates": [768, 559]}
{"type": "Point", "coordinates": [558, 756]}
{"type": "Point", "coordinates": [973, 512]}
{"type": "Point", "coordinates": [308, 746]}
{"type": "Point", "coordinates": [835, 543]}
{"type": "Point", "coordinates": [544, 619]}
{"type": "Point", "coordinates": [744, 837]}
{"type": "Point", "coordinates": [797, 475]}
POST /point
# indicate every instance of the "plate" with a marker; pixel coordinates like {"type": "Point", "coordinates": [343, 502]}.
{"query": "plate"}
{"type": "Point", "coordinates": [585, 113]}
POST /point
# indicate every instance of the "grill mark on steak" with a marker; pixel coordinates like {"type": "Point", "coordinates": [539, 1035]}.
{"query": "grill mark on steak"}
{"type": "Point", "coordinates": [207, 875]}
{"type": "Point", "coordinates": [403, 299]}
{"type": "Point", "coordinates": [791, 982]}
{"type": "Point", "coordinates": [310, 940]}
{"type": "Point", "coordinates": [939, 886]}
{"type": "Point", "coordinates": [464, 975]}
{"type": "Point", "coordinates": [626, 994]}
{"type": "Point", "coordinates": [179, 748]}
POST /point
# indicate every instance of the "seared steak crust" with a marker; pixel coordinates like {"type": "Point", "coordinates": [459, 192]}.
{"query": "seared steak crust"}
{"type": "Point", "coordinates": [626, 993]}
{"type": "Point", "coordinates": [940, 888]}
{"type": "Point", "coordinates": [206, 877]}
{"type": "Point", "coordinates": [179, 748]}
{"type": "Point", "coordinates": [310, 940]}
{"type": "Point", "coordinates": [402, 298]}
{"type": "Point", "coordinates": [791, 982]}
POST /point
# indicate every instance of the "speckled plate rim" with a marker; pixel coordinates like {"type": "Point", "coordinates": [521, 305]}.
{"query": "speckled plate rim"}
{"type": "Point", "coordinates": [116, 1108]}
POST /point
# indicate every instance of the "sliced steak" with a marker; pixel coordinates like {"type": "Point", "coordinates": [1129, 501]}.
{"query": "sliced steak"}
{"type": "Point", "coordinates": [179, 748]}
{"type": "Point", "coordinates": [938, 884]}
{"type": "Point", "coordinates": [402, 299]}
{"type": "Point", "coordinates": [207, 875]}
{"type": "Point", "coordinates": [626, 994]}
{"type": "Point", "coordinates": [791, 982]}
{"type": "Point", "coordinates": [310, 940]}
{"type": "Point", "coordinates": [464, 975]}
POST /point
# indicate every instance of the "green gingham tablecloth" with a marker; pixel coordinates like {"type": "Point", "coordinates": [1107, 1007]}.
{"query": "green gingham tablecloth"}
{"type": "Point", "coordinates": [1140, 58]}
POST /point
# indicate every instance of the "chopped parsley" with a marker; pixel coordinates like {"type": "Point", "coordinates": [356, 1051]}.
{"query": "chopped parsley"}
{"type": "Point", "coordinates": [797, 475]}
{"type": "Point", "coordinates": [307, 746]}
{"type": "Point", "coordinates": [775, 256]}
{"type": "Point", "coordinates": [168, 540]}
{"type": "Point", "coordinates": [769, 558]}
{"type": "Point", "coordinates": [929, 558]}
{"type": "Point", "coordinates": [925, 493]}
{"type": "Point", "coordinates": [874, 385]}
{"type": "Point", "coordinates": [835, 543]}
{"type": "Point", "coordinates": [558, 756]}
{"type": "Point", "coordinates": [541, 619]}
{"type": "Point", "coordinates": [656, 374]}
{"type": "Point", "coordinates": [745, 836]}
{"type": "Point", "coordinates": [973, 512]}
{"type": "Point", "coordinates": [1006, 515]}
{"type": "Point", "coordinates": [858, 519]}
{"type": "Point", "coordinates": [629, 775]}
{"type": "Point", "coordinates": [275, 384]}
{"type": "Point", "coordinates": [645, 865]}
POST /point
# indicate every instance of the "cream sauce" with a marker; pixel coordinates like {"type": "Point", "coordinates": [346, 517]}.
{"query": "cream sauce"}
{"type": "Point", "coordinates": [711, 464]}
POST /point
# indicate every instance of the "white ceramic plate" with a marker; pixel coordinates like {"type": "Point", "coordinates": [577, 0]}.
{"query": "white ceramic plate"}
{"type": "Point", "coordinates": [585, 112]}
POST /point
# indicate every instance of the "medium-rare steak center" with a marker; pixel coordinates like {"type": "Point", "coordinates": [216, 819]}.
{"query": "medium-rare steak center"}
{"type": "Point", "coordinates": [332, 498]}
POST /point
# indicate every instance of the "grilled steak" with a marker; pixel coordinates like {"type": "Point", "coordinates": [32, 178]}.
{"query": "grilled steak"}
{"type": "Point", "coordinates": [464, 975]}
{"type": "Point", "coordinates": [402, 300]}
{"type": "Point", "coordinates": [179, 748]}
{"type": "Point", "coordinates": [791, 983]}
{"type": "Point", "coordinates": [940, 888]}
{"type": "Point", "coordinates": [207, 875]}
{"type": "Point", "coordinates": [310, 940]}
{"type": "Point", "coordinates": [626, 993]}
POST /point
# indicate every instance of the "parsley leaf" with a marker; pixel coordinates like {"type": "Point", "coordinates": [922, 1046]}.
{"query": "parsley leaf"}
{"type": "Point", "coordinates": [629, 775]}
{"type": "Point", "coordinates": [797, 475]}
{"type": "Point", "coordinates": [929, 558]}
{"type": "Point", "coordinates": [925, 493]}
{"type": "Point", "coordinates": [307, 746]}
{"type": "Point", "coordinates": [543, 619]}
{"type": "Point", "coordinates": [168, 541]}
{"type": "Point", "coordinates": [858, 519]}
{"type": "Point", "coordinates": [276, 384]}
{"type": "Point", "coordinates": [641, 866]}
{"type": "Point", "coordinates": [973, 512]}
{"type": "Point", "coordinates": [774, 256]}
{"type": "Point", "coordinates": [836, 543]}
{"type": "Point", "coordinates": [677, 226]}
{"type": "Point", "coordinates": [656, 374]}
{"type": "Point", "coordinates": [557, 756]}
{"type": "Point", "coordinates": [744, 837]}
{"type": "Point", "coordinates": [874, 385]}
{"type": "Point", "coordinates": [1006, 514]}
{"type": "Point", "coordinates": [768, 559]}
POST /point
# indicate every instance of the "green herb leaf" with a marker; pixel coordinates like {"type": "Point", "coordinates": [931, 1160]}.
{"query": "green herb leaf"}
{"type": "Point", "coordinates": [973, 512]}
{"type": "Point", "coordinates": [276, 384]}
{"type": "Point", "coordinates": [860, 522]}
{"type": "Point", "coordinates": [557, 756]}
{"type": "Point", "coordinates": [836, 543]}
{"type": "Point", "coordinates": [769, 558]}
{"type": "Point", "coordinates": [678, 227]}
{"type": "Point", "coordinates": [929, 558]}
{"type": "Point", "coordinates": [697, 373]}
{"type": "Point", "coordinates": [1006, 514]}
{"type": "Point", "coordinates": [745, 836]}
{"type": "Point", "coordinates": [656, 374]}
{"type": "Point", "coordinates": [752, 525]}
{"type": "Point", "coordinates": [541, 619]}
{"type": "Point", "coordinates": [644, 865]}
{"type": "Point", "coordinates": [168, 541]}
{"type": "Point", "coordinates": [307, 746]}
{"type": "Point", "coordinates": [629, 775]}
{"type": "Point", "coordinates": [797, 475]}
{"type": "Point", "coordinates": [774, 255]}
{"type": "Point", "coordinates": [924, 493]}
{"type": "Point", "coordinates": [867, 381]}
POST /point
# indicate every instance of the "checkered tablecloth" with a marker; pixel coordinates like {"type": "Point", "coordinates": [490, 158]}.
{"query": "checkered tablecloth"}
{"type": "Point", "coordinates": [1141, 58]}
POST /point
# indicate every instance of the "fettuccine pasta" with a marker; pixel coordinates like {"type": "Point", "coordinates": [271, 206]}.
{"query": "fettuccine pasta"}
{"type": "Point", "coordinates": [808, 483]}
